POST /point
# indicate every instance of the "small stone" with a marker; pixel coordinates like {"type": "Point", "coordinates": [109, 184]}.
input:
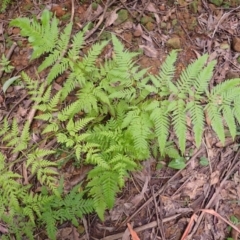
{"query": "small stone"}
{"type": "Point", "coordinates": [146, 19]}
{"type": "Point", "coordinates": [150, 26]}
{"type": "Point", "coordinates": [137, 33]}
{"type": "Point", "coordinates": [236, 44]}
{"type": "Point", "coordinates": [174, 43]}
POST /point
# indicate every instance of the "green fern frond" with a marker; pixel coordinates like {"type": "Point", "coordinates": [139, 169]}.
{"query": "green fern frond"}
{"type": "Point", "coordinates": [228, 116]}
{"type": "Point", "coordinates": [223, 87]}
{"type": "Point", "coordinates": [129, 117]}
{"type": "Point", "coordinates": [179, 124]}
{"type": "Point", "coordinates": [103, 188]}
{"type": "Point", "coordinates": [215, 117]}
{"type": "Point", "coordinates": [202, 80]}
{"type": "Point", "coordinates": [4, 127]}
{"type": "Point", "coordinates": [197, 117]}
{"type": "Point", "coordinates": [48, 217]}
{"type": "Point", "coordinates": [43, 36]}
{"type": "Point", "coordinates": [140, 129]}
{"type": "Point", "coordinates": [68, 112]}
{"type": "Point", "coordinates": [77, 43]}
{"type": "Point", "coordinates": [97, 159]}
{"type": "Point", "coordinates": [57, 70]}
{"type": "Point", "coordinates": [89, 61]}
{"type": "Point", "coordinates": [24, 138]}
{"type": "Point", "coordinates": [3, 5]}
{"type": "Point", "coordinates": [13, 132]}
{"type": "Point", "coordinates": [236, 109]}
{"type": "Point", "coordinates": [163, 81]}
{"type": "Point", "coordinates": [160, 118]}
{"type": "Point", "coordinates": [188, 76]}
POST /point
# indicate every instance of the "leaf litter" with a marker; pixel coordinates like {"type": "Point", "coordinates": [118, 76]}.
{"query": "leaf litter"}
{"type": "Point", "coordinates": [201, 27]}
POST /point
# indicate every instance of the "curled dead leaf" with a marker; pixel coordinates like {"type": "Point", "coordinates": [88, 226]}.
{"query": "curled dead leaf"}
{"type": "Point", "coordinates": [111, 18]}
{"type": "Point", "coordinates": [149, 51]}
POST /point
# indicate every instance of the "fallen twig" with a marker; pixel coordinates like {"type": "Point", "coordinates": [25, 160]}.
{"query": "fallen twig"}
{"type": "Point", "coordinates": [164, 187]}
{"type": "Point", "coordinates": [107, 5]}
{"type": "Point", "coordinates": [234, 165]}
{"type": "Point", "coordinates": [142, 228]}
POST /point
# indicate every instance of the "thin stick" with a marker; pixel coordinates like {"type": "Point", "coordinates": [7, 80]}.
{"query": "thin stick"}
{"type": "Point", "coordinates": [142, 228]}
{"type": "Point", "coordinates": [107, 5]}
{"type": "Point", "coordinates": [209, 205]}
{"type": "Point", "coordinates": [164, 187]}
{"type": "Point", "coordinates": [72, 12]}
{"type": "Point", "coordinates": [225, 15]}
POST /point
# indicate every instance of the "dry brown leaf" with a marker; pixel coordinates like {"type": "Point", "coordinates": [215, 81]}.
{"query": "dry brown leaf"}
{"type": "Point", "coordinates": [147, 38]}
{"type": "Point", "coordinates": [138, 198]}
{"type": "Point", "coordinates": [151, 7]}
{"type": "Point", "coordinates": [126, 235]}
{"type": "Point", "coordinates": [138, 31]}
{"type": "Point", "coordinates": [133, 233]}
{"type": "Point", "coordinates": [64, 233]}
{"type": "Point", "coordinates": [149, 51]}
{"type": "Point", "coordinates": [195, 186]}
{"type": "Point", "coordinates": [214, 177]}
{"type": "Point", "coordinates": [111, 18]}
{"type": "Point", "coordinates": [157, 18]}
{"type": "Point", "coordinates": [168, 15]}
{"type": "Point", "coordinates": [189, 226]}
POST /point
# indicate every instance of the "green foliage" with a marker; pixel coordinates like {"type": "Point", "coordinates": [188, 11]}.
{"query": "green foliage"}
{"type": "Point", "coordinates": [4, 4]}
{"type": "Point", "coordinates": [120, 115]}
{"type": "Point", "coordinates": [5, 65]}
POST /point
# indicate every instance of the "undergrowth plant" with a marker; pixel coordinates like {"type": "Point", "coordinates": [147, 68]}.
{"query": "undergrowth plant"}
{"type": "Point", "coordinates": [120, 116]}
{"type": "Point", "coordinates": [4, 4]}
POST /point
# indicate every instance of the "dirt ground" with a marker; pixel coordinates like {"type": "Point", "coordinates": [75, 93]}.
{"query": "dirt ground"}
{"type": "Point", "coordinates": [159, 202]}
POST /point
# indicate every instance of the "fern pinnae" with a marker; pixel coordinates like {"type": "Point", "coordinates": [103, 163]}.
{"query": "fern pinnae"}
{"type": "Point", "coordinates": [89, 60]}
{"type": "Point", "coordinates": [197, 118]}
{"type": "Point", "coordinates": [167, 71]}
{"type": "Point", "coordinates": [236, 108]}
{"type": "Point", "coordinates": [77, 43]}
{"type": "Point", "coordinates": [24, 138]}
{"type": "Point", "coordinates": [80, 124]}
{"type": "Point", "coordinates": [188, 76]}
{"type": "Point", "coordinates": [4, 129]}
{"type": "Point", "coordinates": [228, 116]}
{"type": "Point", "coordinates": [179, 123]}
{"type": "Point", "coordinates": [160, 118]}
{"type": "Point", "coordinates": [203, 78]}
{"type": "Point", "coordinates": [224, 86]}
{"type": "Point", "coordinates": [216, 120]}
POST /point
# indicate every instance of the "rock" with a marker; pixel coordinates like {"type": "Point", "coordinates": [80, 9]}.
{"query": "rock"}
{"type": "Point", "coordinates": [174, 43]}
{"type": "Point", "coordinates": [236, 44]}
{"type": "Point", "coordinates": [150, 26]}
{"type": "Point", "coordinates": [146, 19]}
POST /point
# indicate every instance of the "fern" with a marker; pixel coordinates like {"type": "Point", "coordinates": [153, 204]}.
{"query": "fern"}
{"type": "Point", "coordinates": [65, 208]}
{"type": "Point", "coordinates": [4, 4]}
{"type": "Point", "coordinates": [43, 36]}
{"type": "Point", "coordinates": [119, 116]}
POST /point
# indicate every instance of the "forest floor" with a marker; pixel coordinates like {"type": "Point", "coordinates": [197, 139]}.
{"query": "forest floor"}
{"type": "Point", "coordinates": [159, 202]}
